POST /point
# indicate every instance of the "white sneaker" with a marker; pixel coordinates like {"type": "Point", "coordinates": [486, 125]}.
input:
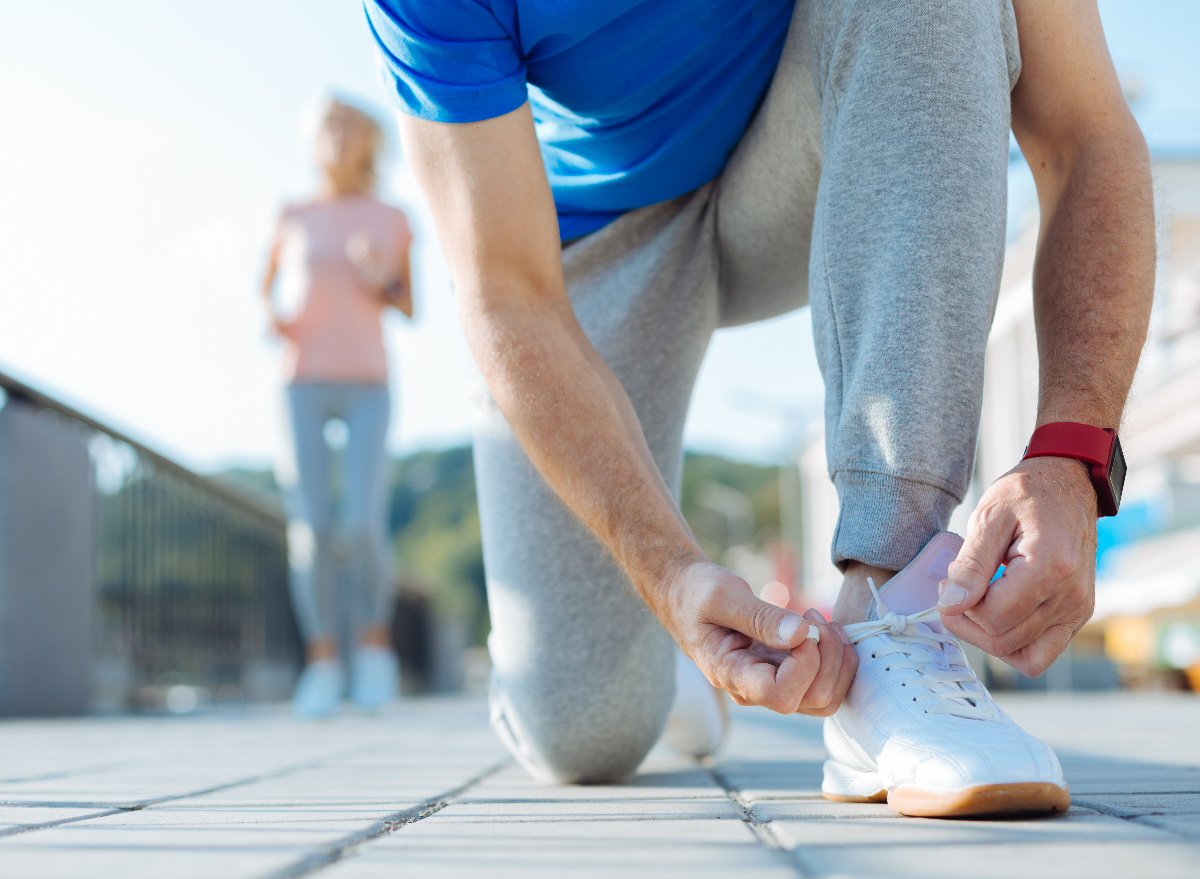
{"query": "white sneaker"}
{"type": "Point", "coordinates": [319, 689]}
{"type": "Point", "coordinates": [917, 727]}
{"type": "Point", "coordinates": [699, 718]}
{"type": "Point", "coordinates": [374, 676]}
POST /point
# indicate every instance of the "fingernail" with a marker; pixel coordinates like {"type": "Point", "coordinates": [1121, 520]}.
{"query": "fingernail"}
{"type": "Point", "coordinates": [787, 627]}
{"type": "Point", "coordinates": [952, 595]}
{"type": "Point", "coordinates": [841, 633]}
{"type": "Point", "coordinates": [815, 615]}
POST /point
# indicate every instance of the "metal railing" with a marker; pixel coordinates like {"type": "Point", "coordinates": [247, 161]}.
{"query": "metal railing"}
{"type": "Point", "coordinates": [190, 583]}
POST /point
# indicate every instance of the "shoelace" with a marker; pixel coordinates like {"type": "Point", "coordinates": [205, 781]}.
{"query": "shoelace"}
{"type": "Point", "coordinates": [943, 686]}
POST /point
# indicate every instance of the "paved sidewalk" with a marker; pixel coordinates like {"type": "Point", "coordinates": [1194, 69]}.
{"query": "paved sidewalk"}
{"type": "Point", "coordinates": [426, 790]}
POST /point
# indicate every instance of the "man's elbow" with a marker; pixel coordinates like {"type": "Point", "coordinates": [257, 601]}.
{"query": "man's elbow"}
{"type": "Point", "coordinates": [1113, 151]}
{"type": "Point", "coordinates": [1121, 143]}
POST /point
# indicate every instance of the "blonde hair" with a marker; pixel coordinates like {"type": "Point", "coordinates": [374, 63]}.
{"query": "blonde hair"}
{"type": "Point", "coordinates": [323, 106]}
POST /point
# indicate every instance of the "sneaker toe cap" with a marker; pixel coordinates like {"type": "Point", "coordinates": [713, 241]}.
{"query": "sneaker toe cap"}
{"type": "Point", "coordinates": [941, 760]}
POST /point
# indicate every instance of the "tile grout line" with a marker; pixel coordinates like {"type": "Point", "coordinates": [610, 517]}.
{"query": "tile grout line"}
{"type": "Point", "coordinates": [335, 851]}
{"type": "Point", "coordinates": [1102, 809]}
{"type": "Point", "coordinates": [62, 773]}
{"type": "Point", "coordinates": [144, 804]}
{"type": "Point", "coordinates": [761, 829]}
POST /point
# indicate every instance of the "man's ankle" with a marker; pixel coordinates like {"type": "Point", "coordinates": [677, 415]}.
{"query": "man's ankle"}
{"type": "Point", "coordinates": [855, 595]}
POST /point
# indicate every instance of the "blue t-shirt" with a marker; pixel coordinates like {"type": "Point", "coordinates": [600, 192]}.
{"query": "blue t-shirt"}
{"type": "Point", "coordinates": [636, 101]}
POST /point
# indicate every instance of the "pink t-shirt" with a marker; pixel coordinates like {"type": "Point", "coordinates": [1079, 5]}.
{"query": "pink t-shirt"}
{"type": "Point", "coordinates": [336, 335]}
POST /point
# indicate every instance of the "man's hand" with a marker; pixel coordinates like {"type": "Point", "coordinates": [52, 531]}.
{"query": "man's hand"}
{"type": "Point", "coordinates": [1039, 521]}
{"type": "Point", "coordinates": [712, 613]}
{"type": "Point", "coordinates": [1093, 283]}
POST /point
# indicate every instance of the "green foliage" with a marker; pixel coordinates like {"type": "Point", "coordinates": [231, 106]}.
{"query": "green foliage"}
{"type": "Point", "coordinates": [715, 528]}
{"type": "Point", "coordinates": [434, 521]}
{"type": "Point", "coordinates": [433, 518]}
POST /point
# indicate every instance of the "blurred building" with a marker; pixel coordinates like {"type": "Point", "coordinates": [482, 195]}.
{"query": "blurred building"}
{"type": "Point", "coordinates": [1147, 617]}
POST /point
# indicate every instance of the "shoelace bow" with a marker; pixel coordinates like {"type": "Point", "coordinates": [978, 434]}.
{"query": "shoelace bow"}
{"type": "Point", "coordinates": [942, 686]}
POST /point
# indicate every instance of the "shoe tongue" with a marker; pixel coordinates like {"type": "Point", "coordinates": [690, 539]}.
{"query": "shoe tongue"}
{"type": "Point", "coordinates": [915, 588]}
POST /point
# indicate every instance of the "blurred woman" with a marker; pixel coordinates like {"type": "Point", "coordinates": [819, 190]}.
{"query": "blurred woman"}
{"type": "Point", "coordinates": [346, 254]}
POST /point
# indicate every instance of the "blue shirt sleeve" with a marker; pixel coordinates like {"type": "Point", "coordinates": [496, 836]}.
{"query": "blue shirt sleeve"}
{"type": "Point", "coordinates": [447, 60]}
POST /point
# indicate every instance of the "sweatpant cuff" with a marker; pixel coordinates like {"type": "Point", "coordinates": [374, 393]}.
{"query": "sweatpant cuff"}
{"type": "Point", "coordinates": [885, 520]}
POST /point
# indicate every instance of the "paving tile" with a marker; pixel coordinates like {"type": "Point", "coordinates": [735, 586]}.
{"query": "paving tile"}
{"type": "Point", "coordinates": [686, 859]}
{"type": "Point", "coordinates": [147, 860]}
{"type": "Point", "coordinates": [1131, 805]}
{"type": "Point", "coordinates": [660, 778]}
{"type": "Point", "coordinates": [574, 811]}
{"type": "Point", "coordinates": [819, 809]}
{"type": "Point", "coordinates": [1187, 826]}
{"type": "Point", "coordinates": [779, 779]}
{"type": "Point", "coordinates": [1130, 786]}
{"type": "Point", "coordinates": [1095, 860]}
{"type": "Point", "coordinates": [304, 819]}
{"type": "Point", "coordinates": [1078, 844]}
{"type": "Point", "coordinates": [459, 841]}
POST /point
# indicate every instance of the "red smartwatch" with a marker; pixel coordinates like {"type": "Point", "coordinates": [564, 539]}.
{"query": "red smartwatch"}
{"type": "Point", "coordinates": [1097, 447]}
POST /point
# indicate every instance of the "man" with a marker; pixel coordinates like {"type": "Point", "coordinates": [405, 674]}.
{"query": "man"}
{"type": "Point", "coordinates": [614, 180]}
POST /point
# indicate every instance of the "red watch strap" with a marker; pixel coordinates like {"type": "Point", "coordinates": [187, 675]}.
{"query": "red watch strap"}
{"type": "Point", "coordinates": [1066, 439]}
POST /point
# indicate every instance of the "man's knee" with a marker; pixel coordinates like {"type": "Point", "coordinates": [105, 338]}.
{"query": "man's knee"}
{"type": "Point", "coordinates": [577, 733]}
{"type": "Point", "coordinates": [920, 39]}
{"type": "Point", "coordinates": [588, 757]}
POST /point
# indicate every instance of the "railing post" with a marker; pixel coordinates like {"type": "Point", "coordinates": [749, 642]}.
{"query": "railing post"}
{"type": "Point", "coordinates": [47, 528]}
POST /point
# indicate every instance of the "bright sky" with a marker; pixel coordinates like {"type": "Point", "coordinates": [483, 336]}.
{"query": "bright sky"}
{"type": "Point", "coordinates": [145, 148]}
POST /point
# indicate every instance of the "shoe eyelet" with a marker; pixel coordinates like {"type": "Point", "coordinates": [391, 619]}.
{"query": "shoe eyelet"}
{"type": "Point", "coordinates": [872, 655]}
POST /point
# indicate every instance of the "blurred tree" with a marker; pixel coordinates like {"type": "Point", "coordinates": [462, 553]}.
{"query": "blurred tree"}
{"type": "Point", "coordinates": [708, 505]}
{"type": "Point", "coordinates": [434, 520]}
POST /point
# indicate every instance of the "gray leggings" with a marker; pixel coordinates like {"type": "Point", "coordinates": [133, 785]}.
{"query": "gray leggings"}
{"type": "Point", "coordinates": [327, 605]}
{"type": "Point", "coordinates": [871, 183]}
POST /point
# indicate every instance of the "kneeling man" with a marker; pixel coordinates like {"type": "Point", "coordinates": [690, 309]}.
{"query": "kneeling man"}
{"type": "Point", "coordinates": [612, 181]}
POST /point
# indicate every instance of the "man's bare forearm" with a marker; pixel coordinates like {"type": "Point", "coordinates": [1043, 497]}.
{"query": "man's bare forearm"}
{"type": "Point", "coordinates": [496, 219]}
{"type": "Point", "coordinates": [578, 427]}
{"type": "Point", "coordinates": [1094, 283]}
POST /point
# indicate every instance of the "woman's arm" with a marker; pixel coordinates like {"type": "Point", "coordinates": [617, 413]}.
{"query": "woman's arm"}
{"type": "Point", "coordinates": [398, 291]}
{"type": "Point", "coordinates": [276, 326]}
{"type": "Point", "coordinates": [390, 278]}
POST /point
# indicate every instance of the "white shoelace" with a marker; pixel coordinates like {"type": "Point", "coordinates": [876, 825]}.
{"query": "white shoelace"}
{"type": "Point", "coordinates": [924, 651]}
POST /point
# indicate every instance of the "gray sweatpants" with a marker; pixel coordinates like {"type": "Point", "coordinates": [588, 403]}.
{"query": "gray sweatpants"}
{"type": "Point", "coordinates": [323, 608]}
{"type": "Point", "coordinates": [871, 184]}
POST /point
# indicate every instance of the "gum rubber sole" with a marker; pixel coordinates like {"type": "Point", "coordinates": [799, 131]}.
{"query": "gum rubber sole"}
{"type": "Point", "coordinates": [877, 797]}
{"type": "Point", "coordinates": [985, 799]}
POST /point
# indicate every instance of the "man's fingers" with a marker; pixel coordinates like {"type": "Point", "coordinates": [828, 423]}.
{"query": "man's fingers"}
{"type": "Point", "coordinates": [849, 668]}
{"type": "Point", "coordinates": [989, 534]}
{"type": "Point", "coordinates": [1015, 598]}
{"type": "Point", "coordinates": [738, 609]}
{"type": "Point", "coordinates": [759, 682]}
{"type": "Point", "coordinates": [1044, 569]}
{"type": "Point", "coordinates": [1035, 658]}
{"type": "Point", "coordinates": [829, 648]}
{"type": "Point", "coordinates": [1004, 643]}
{"type": "Point", "coordinates": [1029, 654]}
{"type": "Point", "coordinates": [839, 663]}
{"type": "Point", "coordinates": [1022, 645]}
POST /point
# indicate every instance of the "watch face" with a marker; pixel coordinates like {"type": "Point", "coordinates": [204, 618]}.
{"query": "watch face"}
{"type": "Point", "coordinates": [1116, 472]}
